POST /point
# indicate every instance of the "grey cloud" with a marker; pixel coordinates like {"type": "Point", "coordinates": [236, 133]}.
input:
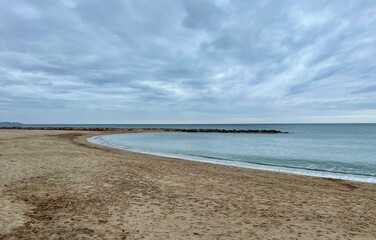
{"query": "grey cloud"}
{"type": "Point", "coordinates": [369, 89]}
{"type": "Point", "coordinates": [229, 59]}
{"type": "Point", "coordinates": [204, 15]}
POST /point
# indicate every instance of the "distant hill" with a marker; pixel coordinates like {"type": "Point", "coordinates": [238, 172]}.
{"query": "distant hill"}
{"type": "Point", "coordinates": [10, 124]}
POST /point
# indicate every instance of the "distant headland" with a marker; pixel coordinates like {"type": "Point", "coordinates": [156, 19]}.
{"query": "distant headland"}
{"type": "Point", "coordinates": [10, 124]}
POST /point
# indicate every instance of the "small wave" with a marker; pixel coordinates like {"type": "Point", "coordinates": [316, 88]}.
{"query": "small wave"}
{"type": "Point", "coordinates": [228, 162]}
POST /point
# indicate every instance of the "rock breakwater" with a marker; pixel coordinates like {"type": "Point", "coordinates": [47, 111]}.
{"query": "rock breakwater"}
{"type": "Point", "coordinates": [147, 129]}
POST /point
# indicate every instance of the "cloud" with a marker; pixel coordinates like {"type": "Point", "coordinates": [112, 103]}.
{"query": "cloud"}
{"type": "Point", "coordinates": [205, 15]}
{"type": "Point", "coordinates": [187, 61]}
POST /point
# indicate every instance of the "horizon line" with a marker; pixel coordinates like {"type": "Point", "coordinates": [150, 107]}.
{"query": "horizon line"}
{"type": "Point", "coordinates": [187, 123]}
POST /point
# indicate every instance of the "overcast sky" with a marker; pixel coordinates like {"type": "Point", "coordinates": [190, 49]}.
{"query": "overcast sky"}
{"type": "Point", "coordinates": [187, 61]}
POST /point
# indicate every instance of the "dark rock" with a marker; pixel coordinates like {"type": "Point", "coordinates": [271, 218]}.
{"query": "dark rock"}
{"type": "Point", "coordinates": [145, 129]}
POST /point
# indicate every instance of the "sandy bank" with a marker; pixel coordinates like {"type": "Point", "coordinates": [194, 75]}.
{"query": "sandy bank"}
{"type": "Point", "coordinates": [54, 184]}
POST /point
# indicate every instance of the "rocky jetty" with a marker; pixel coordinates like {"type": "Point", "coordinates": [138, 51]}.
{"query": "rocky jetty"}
{"type": "Point", "coordinates": [146, 129]}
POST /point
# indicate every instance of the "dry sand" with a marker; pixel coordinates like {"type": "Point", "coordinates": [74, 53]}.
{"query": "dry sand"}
{"type": "Point", "coordinates": [55, 185]}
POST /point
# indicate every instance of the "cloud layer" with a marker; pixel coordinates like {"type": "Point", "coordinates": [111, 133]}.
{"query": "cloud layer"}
{"type": "Point", "coordinates": [187, 61]}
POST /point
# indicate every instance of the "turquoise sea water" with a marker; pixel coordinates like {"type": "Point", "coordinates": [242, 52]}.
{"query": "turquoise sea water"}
{"type": "Point", "coordinates": [344, 151]}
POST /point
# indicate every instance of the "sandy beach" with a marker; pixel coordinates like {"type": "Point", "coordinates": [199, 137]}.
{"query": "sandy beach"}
{"type": "Point", "coordinates": [56, 185]}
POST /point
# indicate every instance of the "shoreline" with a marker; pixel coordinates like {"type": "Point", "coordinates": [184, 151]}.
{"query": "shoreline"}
{"type": "Point", "coordinates": [55, 184]}
{"type": "Point", "coordinates": [255, 166]}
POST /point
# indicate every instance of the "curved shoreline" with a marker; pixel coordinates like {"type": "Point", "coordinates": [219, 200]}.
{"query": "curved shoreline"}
{"type": "Point", "coordinates": [56, 184]}
{"type": "Point", "coordinates": [289, 170]}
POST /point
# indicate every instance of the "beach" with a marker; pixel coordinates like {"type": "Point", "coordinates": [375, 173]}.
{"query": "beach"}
{"type": "Point", "coordinates": [56, 185]}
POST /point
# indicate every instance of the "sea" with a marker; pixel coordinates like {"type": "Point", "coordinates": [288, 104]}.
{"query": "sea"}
{"type": "Point", "coordinates": [340, 151]}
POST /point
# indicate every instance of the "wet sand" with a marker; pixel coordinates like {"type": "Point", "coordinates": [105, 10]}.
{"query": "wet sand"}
{"type": "Point", "coordinates": [56, 185]}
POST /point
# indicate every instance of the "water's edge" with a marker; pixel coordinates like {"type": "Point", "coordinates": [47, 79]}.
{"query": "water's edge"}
{"type": "Point", "coordinates": [323, 174]}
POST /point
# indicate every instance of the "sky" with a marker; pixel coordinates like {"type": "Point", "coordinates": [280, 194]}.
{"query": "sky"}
{"type": "Point", "coordinates": [187, 61]}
